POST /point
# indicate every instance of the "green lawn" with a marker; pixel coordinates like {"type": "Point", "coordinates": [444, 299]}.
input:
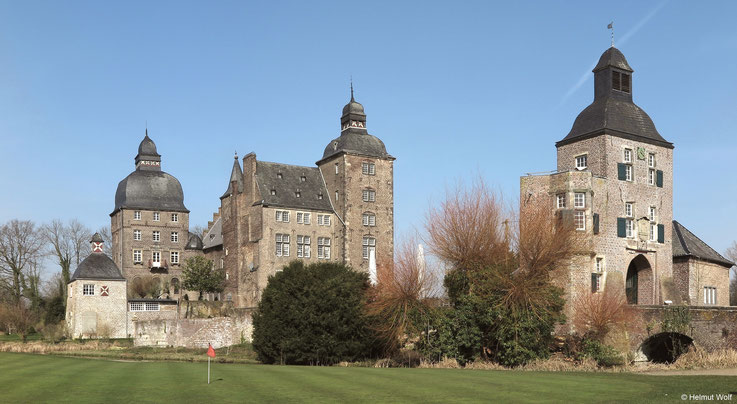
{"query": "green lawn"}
{"type": "Point", "coordinates": [41, 378]}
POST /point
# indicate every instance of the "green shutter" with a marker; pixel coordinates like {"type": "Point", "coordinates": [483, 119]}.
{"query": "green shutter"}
{"type": "Point", "coordinates": [622, 171]}
{"type": "Point", "coordinates": [621, 227]}
{"type": "Point", "coordinates": [661, 233]}
{"type": "Point", "coordinates": [659, 178]}
{"type": "Point", "coordinates": [596, 223]}
{"type": "Point", "coordinates": [593, 282]}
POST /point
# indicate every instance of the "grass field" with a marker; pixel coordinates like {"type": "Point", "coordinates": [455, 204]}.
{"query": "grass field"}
{"type": "Point", "coordinates": [42, 378]}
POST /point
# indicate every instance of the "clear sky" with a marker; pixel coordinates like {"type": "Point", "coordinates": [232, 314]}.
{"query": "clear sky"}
{"type": "Point", "coordinates": [454, 89]}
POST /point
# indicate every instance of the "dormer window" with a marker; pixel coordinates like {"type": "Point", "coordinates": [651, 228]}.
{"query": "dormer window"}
{"type": "Point", "coordinates": [621, 81]}
{"type": "Point", "coordinates": [273, 192]}
{"type": "Point", "coordinates": [303, 178]}
{"type": "Point", "coordinates": [278, 175]}
{"type": "Point", "coordinates": [319, 196]}
{"type": "Point", "coordinates": [298, 194]}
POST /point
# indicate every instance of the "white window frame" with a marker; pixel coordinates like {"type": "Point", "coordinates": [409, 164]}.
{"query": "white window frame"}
{"type": "Point", "coordinates": [579, 220]}
{"type": "Point", "coordinates": [628, 176]}
{"type": "Point", "coordinates": [369, 244]}
{"type": "Point", "coordinates": [653, 214]}
{"type": "Point", "coordinates": [579, 200]}
{"type": "Point", "coordinates": [88, 289]}
{"type": "Point", "coordinates": [369, 219]}
{"type": "Point", "coordinates": [174, 237]}
{"type": "Point", "coordinates": [137, 306]}
{"type": "Point", "coordinates": [651, 160]}
{"type": "Point", "coordinates": [599, 265]}
{"type": "Point", "coordinates": [560, 201]}
{"type": "Point", "coordinates": [157, 216]}
{"type": "Point", "coordinates": [282, 245]}
{"type": "Point", "coordinates": [651, 176]}
{"type": "Point", "coordinates": [174, 217]}
{"type": "Point", "coordinates": [136, 235]}
{"type": "Point", "coordinates": [710, 295]}
{"type": "Point", "coordinates": [653, 231]}
{"type": "Point", "coordinates": [156, 257]}
{"type": "Point", "coordinates": [282, 216]}
{"type": "Point", "coordinates": [137, 256]}
{"type": "Point", "coordinates": [137, 215]}
{"type": "Point", "coordinates": [323, 248]}
{"type": "Point", "coordinates": [369, 195]}
{"type": "Point", "coordinates": [627, 155]}
{"type": "Point", "coordinates": [368, 168]}
{"type": "Point", "coordinates": [630, 223]}
{"type": "Point", "coordinates": [582, 162]}
{"type": "Point", "coordinates": [629, 209]}
{"type": "Point", "coordinates": [174, 257]}
{"type": "Point", "coordinates": [303, 246]}
{"type": "Point", "coordinates": [156, 235]}
{"type": "Point", "coordinates": [152, 306]}
{"type": "Point", "coordinates": [323, 220]}
{"type": "Point", "coordinates": [336, 169]}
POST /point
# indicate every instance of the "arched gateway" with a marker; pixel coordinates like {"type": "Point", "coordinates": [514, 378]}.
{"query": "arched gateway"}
{"type": "Point", "coordinates": [638, 284]}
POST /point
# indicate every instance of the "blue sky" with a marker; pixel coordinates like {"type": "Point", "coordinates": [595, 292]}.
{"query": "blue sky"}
{"type": "Point", "coordinates": [454, 89]}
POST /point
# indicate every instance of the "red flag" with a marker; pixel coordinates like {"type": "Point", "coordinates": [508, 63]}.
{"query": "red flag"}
{"type": "Point", "coordinates": [210, 351]}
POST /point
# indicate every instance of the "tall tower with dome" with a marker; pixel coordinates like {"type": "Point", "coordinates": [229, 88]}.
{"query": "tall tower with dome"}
{"type": "Point", "coordinates": [150, 224]}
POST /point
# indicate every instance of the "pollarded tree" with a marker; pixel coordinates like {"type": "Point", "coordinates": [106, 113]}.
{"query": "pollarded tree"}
{"type": "Point", "coordinates": [199, 275]}
{"type": "Point", "coordinates": [313, 315]}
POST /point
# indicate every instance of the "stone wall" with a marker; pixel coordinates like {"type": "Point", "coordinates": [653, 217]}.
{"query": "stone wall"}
{"type": "Point", "coordinates": [97, 315]}
{"type": "Point", "coordinates": [692, 275]}
{"type": "Point", "coordinates": [196, 332]}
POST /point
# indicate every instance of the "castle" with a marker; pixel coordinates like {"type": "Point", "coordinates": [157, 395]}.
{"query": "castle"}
{"type": "Point", "coordinates": [614, 184]}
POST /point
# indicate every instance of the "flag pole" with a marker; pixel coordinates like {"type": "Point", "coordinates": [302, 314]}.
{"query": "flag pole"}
{"type": "Point", "coordinates": [208, 370]}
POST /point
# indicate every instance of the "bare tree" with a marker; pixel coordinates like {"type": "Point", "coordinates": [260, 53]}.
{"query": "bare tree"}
{"type": "Point", "coordinates": [731, 255]}
{"type": "Point", "coordinates": [198, 230]}
{"type": "Point", "coordinates": [68, 244]}
{"type": "Point", "coordinates": [21, 246]}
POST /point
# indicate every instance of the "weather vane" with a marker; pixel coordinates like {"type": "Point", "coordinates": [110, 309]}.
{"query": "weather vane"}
{"type": "Point", "coordinates": [611, 27]}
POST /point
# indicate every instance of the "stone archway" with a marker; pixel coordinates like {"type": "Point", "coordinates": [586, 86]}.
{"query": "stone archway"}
{"type": "Point", "coordinates": [665, 347]}
{"type": "Point", "coordinates": [639, 283]}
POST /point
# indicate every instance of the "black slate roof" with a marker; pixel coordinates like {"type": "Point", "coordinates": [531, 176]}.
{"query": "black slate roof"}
{"type": "Point", "coordinates": [97, 266]}
{"type": "Point", "coordinates": [286, 181]}
{"type": "Point", "coordinates": [194, 242]}
{"type": "Point", "coordinates": [356, 141]}
{"type": "Point", "coordinates": [686, 244]}
{"type": "Point", "coordinates": [613, 112]}
{"type": "Point", "coordinates": [235, 175]}
{"type": "Point", "coordinates": [150, 190]}
{"type": "Point", "coordinates": [214, 235]}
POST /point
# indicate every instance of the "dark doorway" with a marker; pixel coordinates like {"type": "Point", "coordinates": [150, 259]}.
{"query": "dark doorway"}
{"type": "Point", "coordinates": [638, 284]}
{"type": "Point", "coordinates": [666, 347]}
{"type": "Point", "coordinates": [630, 284]}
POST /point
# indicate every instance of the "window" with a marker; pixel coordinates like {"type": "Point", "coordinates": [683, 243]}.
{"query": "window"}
{"type": "Point", "coordinates": [323, 248]}
{"type": "Point", "coordinates": [369, 195]}
{"type": "Point", "coordinates": [323, 220]}
{"type": "Point", "coordinates": [630, 228]}
{"type": "Point", "coordinates": [369, 244]}
{"type": "Point", "coordinates": [136, 235]}
{"type": "Point", "coordinates": [651, 160]}
{"type": "Point", "coordinates": [137, 256]}
{"type": "Point", "coordinates": [156, 257]}
{"type": "Point", "coordinates": [157, 216]}
{"type": "Point", "coordinates": [279, 176]}
{"type": "Point", "coordinates": [628, 172]}
{"type": "Point", "coordinates": [651, 176]}
{"type": "Point", "coordinates": [273, 192]}
{"type": "Point", "coordinates": [175, 217]}
{"type": "Point", "coordinates": [222, 263]}
{"type": "Point", "coordinates": [579, 200]}
{"type": "Point", "coordinates": [560, 201]}
{"type": "Point", "coordinates": [336, 168]}
{"type": "Point", "coordinates": [599, 265]}
{"type": "Point", "coordinates": [303, 246]}
{"type": "Point", "coordinates": [579, 220]}
{"type": "Point", "coordinates": [174, 257]}
{"type": "Point", "coordinates": [621, 81]}
{"type": "Point", "coordinates": [627, 155]}
{"type": "Point", "coordinates": [282, 216]}
{"type": "Point", "coordinates": [152, 306]}
{"type": "Point", "coordinates": [581, 162]}
{"type": "Point", "coordinates": [653, 231]}
{"type": "Point", "coordinates": [369, 219]}
{"type": "Point", "coordinates": [156, 235]}
{"type": "Point", "coordinates": [137, 306]}
{"type": "Point", "coordinates": [336, 195]}
{"type": "Point", "coordinates": [298, 194]}
{"type": "Point", "coordinates": [303, 218]}
{"type": "Point", "coordinates": [174, 237]}
{"type": "Point", "coordinates": [319, 196]}
{"type": "Point", "coordinates": [282, 245]}
{"type": "Point", "coordinates": [710, 295]}
{"type": "Point", "coordinates": [628, 209]}
{"type": "Point", "coordinates": [303, 178]}
{"type": "Point", "coordinates": [137, 215]}
{"type": "Point", "coordinates": [652, 213]}
{"type": "Point", "coordinates": [88, 289]}
{"type": "Point", "coordinates": [368, 168]}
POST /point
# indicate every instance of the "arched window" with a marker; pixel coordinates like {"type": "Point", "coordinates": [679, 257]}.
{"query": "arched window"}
{"type": "Point", "coordinates": [369, 244]}
{"type": "Point", "coordinates": [369, 195]}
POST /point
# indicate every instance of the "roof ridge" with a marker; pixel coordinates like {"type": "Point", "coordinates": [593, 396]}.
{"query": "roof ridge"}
{"type": "Point", "coordinates": [285, 164]}
{"type": "Point", "coordinates": [680, 236]}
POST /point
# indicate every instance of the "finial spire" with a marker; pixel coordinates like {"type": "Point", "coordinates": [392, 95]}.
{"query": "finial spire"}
{"type": "Point", "coordinates": [352, 99]}
{"type": "Point", "coordinates": [611, 27]}
{"type": "Point", "coordinates": [236, 155]}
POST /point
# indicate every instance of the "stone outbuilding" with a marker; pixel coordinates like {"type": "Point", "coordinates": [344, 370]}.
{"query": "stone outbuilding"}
{"type": "Point", "coordinates": [96, 297]}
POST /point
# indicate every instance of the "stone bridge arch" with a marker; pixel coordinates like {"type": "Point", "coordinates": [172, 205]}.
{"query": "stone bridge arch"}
{"type": "Point", "coordinates": [664, 347]}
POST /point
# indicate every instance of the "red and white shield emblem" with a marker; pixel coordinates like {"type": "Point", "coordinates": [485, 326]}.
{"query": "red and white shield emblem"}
{"type": "Point", "coordinates": [104, 291]}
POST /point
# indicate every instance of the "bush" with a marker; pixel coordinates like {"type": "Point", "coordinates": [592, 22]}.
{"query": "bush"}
{"type": "Point", "coordinates": [313, 315]}
{"type": "Point", "coordinates": [604, 355]}
{"type": "Point", "coordinates": [452, 333]}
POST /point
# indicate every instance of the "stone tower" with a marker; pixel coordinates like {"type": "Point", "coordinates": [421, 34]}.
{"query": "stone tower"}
{"type": "Point", "coordinates": [614, 180]}
{"type": "Point", "coordinates": [359, 176]}
{"type": "Point", "coordinates": [150, 224]}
